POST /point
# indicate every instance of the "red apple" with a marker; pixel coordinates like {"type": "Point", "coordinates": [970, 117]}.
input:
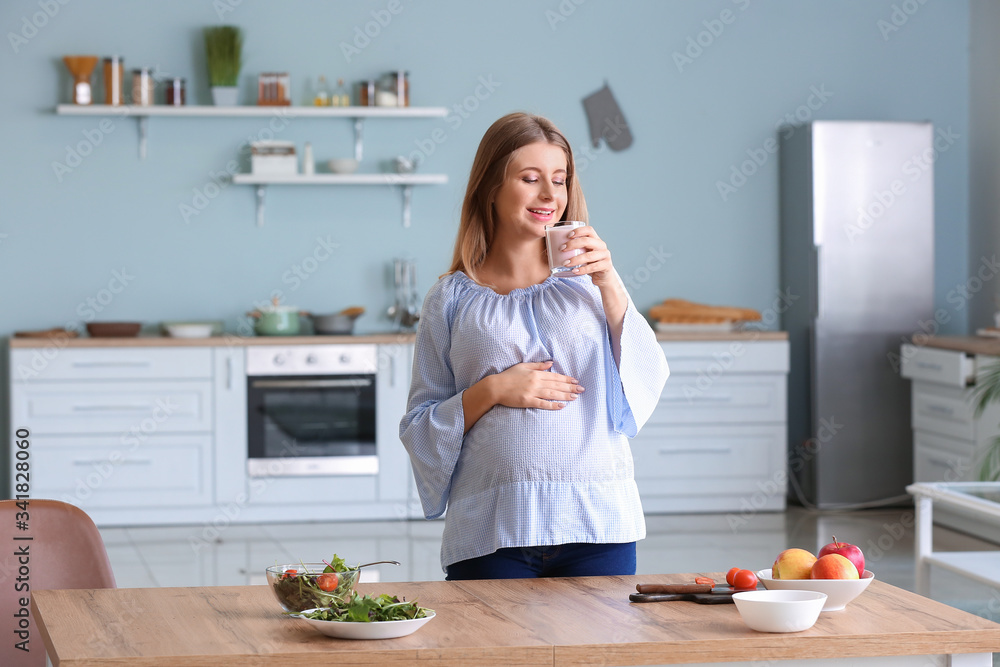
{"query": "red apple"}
{"type": "Point", "coordinates": [849, 551]}
{"type": "Point", "coordinates": [833, 566]}
{"type": "Point", "coordinates": [793, 564]}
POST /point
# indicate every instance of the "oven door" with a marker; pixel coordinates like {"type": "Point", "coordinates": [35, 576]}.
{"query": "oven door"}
{"type": "Point", "coordinates": [311, 425]}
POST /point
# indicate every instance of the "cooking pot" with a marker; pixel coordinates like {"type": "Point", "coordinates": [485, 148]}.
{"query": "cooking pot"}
{"type": "Point", "coordinates": [276, 320]}
{"type": "Point", "coordinates": [336, 324]}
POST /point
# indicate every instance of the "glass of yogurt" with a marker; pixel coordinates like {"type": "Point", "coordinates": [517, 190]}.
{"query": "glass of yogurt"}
{"type": "Point", "coordinates": [555, 236]}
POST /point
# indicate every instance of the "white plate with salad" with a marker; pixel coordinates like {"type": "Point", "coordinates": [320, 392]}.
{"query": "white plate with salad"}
{"type": "Point", "coordinates": [368, 617]}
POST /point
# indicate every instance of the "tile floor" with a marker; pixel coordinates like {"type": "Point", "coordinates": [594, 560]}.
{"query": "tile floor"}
{"type": "Point", "coordinates": [238, 554]}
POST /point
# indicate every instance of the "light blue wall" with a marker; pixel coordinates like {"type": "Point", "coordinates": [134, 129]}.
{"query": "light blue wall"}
{"type": "Point", "coordinates": [62, 242]}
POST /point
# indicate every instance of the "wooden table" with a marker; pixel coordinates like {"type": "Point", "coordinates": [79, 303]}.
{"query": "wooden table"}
{"type": "Point", "coordinates": [579, 621]}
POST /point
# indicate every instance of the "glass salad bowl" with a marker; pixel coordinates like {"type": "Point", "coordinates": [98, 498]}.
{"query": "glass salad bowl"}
{"type": "Point", "coordinates": [301, 586]}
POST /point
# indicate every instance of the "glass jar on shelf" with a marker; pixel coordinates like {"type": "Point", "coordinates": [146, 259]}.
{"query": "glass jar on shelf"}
{"type": "Point", "coordinates": [175, 92]}
{"type": "Point", "coordinates": [321, 98]}
{"type": "Point", "coordinates": [114, 80]}
{"type": "Point", "coordinates": [393, 90]}
{"type": "Point", "coordinates": [142, 87]}
{"type": "Point", "coordinates": [341, 98]}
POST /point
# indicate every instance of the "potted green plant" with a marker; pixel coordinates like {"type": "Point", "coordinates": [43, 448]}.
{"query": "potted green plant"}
{"type": "Point", "coordinates": [224, 54]}
{"type": "Point", "coordinates": [988, 391]}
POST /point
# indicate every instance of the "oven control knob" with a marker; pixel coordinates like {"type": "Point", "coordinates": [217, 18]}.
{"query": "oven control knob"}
{"type": "Point", "coordinates": [279, 360]}
{"type": "Point", "coordinates": [312, 359]}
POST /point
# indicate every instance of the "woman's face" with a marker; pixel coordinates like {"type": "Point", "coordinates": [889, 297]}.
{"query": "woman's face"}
{"type": "Point", "coordinates": [534, 191]}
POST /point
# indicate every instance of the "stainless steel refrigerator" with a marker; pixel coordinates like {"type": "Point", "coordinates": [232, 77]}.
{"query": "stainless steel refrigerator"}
{"type": "Point", "coordinates": [857, 250]}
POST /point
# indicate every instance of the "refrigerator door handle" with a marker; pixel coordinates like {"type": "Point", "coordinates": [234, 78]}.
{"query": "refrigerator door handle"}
{"type": "Point", "coordinates": [814, 287]}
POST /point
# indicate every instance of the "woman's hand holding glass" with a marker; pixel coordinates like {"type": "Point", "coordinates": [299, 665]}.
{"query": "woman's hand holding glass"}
{"type": "Point", "coordinates": [596, 258]}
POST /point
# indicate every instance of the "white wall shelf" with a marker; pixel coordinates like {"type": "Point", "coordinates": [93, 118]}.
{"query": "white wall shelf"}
{"type": "Point", "coordinates": [406, 181]}
{"type": "Point", "coordinates": [357, 114]}
{"type": "Point", "coordinates": [143, 113]}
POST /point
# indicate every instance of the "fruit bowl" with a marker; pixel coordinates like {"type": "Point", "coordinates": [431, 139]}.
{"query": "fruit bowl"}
{"type": "Point", "coordinates": [301, 586]}
{"type": "Point", "coordinates": [779, 610]}
{"type": "Point", "coordinates": [838, 591]}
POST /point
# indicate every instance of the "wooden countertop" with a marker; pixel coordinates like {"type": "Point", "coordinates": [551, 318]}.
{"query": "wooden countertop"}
{"type": "Point", "coordinates": [970, 344]}
{"type": "Point", "coordinates": [233, 340]}
{"type": "Point", "coordinates": [575, 621]}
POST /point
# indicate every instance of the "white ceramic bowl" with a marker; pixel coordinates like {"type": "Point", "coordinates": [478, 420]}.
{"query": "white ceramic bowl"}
{"type": "Point", "coordinates": [343, 165]}
{"type": "Point", "coordinates": [838, 591]}
{"type": "Point", "coordinates": [189, 330]}
{"type": "Point", "coordinates": [779, 611]}
{"type": "Point", "coordinates": [374, 630]}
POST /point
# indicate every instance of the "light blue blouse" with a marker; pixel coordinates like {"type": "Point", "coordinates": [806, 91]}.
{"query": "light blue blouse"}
{"type": "Point", "coordinates": [527, 476]}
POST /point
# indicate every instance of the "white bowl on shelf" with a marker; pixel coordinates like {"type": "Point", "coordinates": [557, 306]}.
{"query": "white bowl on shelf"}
{"type": "Point", "coordinates": [779, 610]}
{"type": "Point", "coordinates": [838, 591]}
{"type": "Point", "coordinates": [344, 165]}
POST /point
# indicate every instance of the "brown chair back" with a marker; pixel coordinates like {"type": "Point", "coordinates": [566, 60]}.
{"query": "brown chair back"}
{"type": "Point", "coordinates": [65, 550]}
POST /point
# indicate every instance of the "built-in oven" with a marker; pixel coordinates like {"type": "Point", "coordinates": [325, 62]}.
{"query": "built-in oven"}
{"type": "Point", "coordinates": [311, 410]}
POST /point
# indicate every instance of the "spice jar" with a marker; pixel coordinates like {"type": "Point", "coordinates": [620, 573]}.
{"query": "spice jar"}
{"type": "Point", "coordinates": [175, 92]}
{"type": "Point", "coordinates": [142, 87]}
{"type": "Point", "coordinates": [114, 78]}
{"type": "Point", "coordinates": [366, 93]}
{"type": "Point", "coordinates": [402, 80]}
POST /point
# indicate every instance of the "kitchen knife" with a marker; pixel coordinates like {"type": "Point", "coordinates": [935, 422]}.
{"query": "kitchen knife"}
{"type": "Point", "coordinates": [684, 588]}
{"type": "Point", "coordinates": [700, 598]}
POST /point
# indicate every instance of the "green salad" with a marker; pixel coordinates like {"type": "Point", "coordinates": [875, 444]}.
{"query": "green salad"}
{"type": "Point", "coordinates": [369, 609]}
{"type": "Point", "coordinates": [302, 589]}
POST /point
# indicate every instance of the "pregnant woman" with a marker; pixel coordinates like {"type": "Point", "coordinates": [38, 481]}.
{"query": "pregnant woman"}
{"type": "Point", "coordinates": [527, 385]}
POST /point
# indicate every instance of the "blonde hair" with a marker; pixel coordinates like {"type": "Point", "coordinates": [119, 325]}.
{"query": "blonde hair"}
{"type": "Point", "coordinates": [477, 226]}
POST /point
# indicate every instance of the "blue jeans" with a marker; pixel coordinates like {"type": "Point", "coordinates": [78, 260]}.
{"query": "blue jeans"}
{"type": "Point", "coordinates": [561, 560]}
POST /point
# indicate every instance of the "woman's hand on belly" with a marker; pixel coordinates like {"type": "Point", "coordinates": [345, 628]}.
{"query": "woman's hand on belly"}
{"type": "Point", "coordinates": [524, 385]}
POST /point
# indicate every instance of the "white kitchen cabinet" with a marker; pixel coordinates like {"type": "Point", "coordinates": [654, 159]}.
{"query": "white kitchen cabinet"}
{"type": "Point", "coordinates": [117, 428]}
{"type": "Point", "coordinates": [948, 439]}
{"type": "Point", "coordinates": [717, 440]}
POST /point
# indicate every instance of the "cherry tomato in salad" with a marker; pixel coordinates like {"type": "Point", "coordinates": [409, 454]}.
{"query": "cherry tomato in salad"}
{"type": "Point", "coordinates": [288, 574]}
{"type": "Point", "coordinates": [705, 581]}
{"type": "Point", "coordinates": [744, 580]}
{"type": "Point", "coordinates": [328, 581]}
{"type": "Point", "coordinates": [731, 574]}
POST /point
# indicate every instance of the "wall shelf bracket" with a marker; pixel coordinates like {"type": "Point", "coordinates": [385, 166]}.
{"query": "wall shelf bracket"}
{"type": "Point", "coordinates": [261, 194]}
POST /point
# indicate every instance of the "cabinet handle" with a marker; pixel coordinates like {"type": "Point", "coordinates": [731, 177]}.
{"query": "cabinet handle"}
{"type": "Point", "coordinates": [309, 384]}
{"type": "Point", "coordinates": [717, 398]}
{"type": "Point", "coordinates": [392, 370]}
{"type": "Point", "coordinates": [94, 462]}
{"type": "Point", "coordinates": [697, 450]}
{"type": "Point", "coordinates": [938, 408]}
{"type": "Point", "coordinates": [928, 366]}
{"type": "Point", "coordinates": [111, 364]}
{"type": "Point", "coordinates": [942, 462]}
{"type": "Point", "coordinates": [108, 408]}
{"type": "Point", "coordinates": [229, 373]}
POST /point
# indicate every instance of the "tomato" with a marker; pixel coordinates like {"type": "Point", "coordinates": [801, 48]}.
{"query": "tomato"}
{"type": "Point", "coordinates": [288, 574]}
{"type": "Point", "coordinates": [731, 574]}
{"type": "Point", "coordinates": [744, 580]}
{"type": "Point", "coordinates": [704, 581]}
{"type": "Point", "coordinates": [328, 581]}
